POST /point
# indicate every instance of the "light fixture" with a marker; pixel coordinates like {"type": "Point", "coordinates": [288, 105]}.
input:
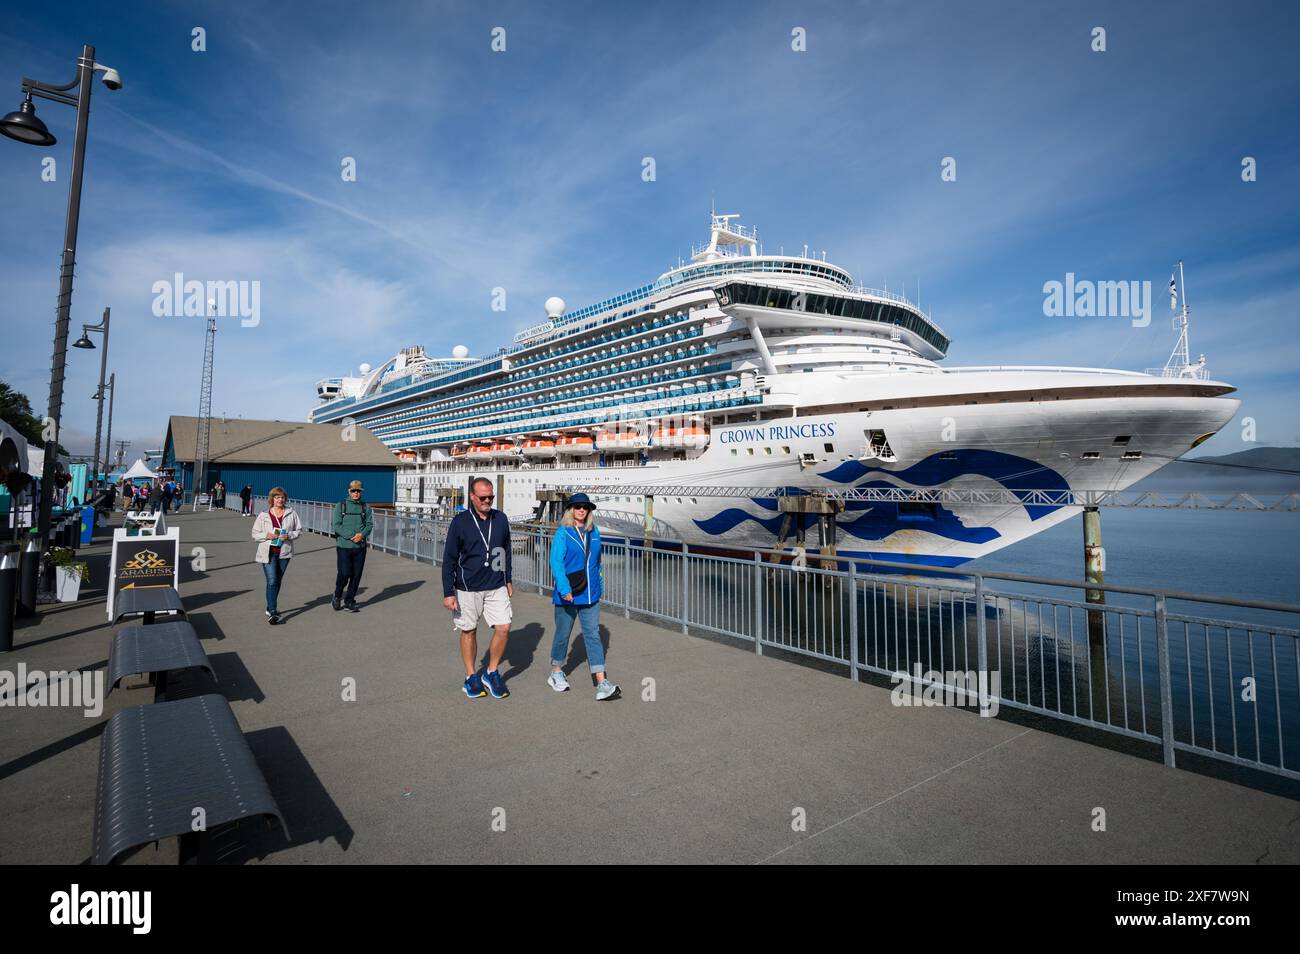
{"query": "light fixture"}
{"type": "Point", "coordinates": [25, 126]}
{"type": "Point", "coordinates": [84, 342]}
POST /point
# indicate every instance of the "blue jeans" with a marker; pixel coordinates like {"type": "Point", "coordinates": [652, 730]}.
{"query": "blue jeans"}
{"type": "Point", "coordinates": [350, 564]}
{"type": "Point", "coordinates": [274, 569]}
{"type": "Point", "coordinates": [589, 616]}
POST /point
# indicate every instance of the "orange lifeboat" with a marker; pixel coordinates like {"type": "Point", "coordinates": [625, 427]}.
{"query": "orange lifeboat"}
{"type": "Point", "coordinates": [458, 453]}
{"type": "Point", "coordinates": [694, 437]}
{"type": "Point", "coordinates": [577, 444]}
{"type": "Point", "coordinates": [480, 452]}
{"type": "Point", "coordinates": [503, 450]}
{"type": "Point", "coordinates": [542, 447]}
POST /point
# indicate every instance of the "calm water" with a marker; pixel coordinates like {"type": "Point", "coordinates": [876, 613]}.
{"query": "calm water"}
{"type": "Point", "coordinates": [1246, 555]}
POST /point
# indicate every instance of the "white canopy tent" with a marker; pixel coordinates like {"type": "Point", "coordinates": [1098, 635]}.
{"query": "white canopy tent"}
{"type": "Point", "coordinates": [139, 471]}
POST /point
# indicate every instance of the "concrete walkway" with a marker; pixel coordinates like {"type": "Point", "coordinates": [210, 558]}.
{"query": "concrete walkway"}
{"type": "Point", "coordinates": [717, 764]}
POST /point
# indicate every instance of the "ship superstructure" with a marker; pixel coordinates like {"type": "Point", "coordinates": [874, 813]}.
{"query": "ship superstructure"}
{"type": "Point", "coordinates": [744, 369]}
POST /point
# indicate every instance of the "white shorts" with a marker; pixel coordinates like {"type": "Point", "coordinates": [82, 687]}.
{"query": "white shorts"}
{"type": "Point", "coordinates": [491, 606]}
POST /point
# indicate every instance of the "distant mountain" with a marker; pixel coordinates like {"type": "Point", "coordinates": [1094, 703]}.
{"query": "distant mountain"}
{"type": "Point", "coordinates": [1252, 471]}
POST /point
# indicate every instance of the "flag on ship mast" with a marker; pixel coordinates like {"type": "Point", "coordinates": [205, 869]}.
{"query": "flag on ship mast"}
{"type": "Point", "coordinates": [1173, 293]}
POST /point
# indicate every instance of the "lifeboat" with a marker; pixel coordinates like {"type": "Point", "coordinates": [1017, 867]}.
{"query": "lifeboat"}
{"type": "Point", "coordinates": [503, 450]}
{"type": "Point", "coordinates": [577, 444]}
{"type": "Point", "coordinates": [480, 452]}
{"type": "Point", "coordinates": [539, 448]}
{"type": "Point", "coordinates": [667, 437]}
{"type": "Point", "coordinates": [694, 437]}
{"type": "Point", "coordinates": [608, 440]}
{"type": "Point", "coordinates": [458, 453]}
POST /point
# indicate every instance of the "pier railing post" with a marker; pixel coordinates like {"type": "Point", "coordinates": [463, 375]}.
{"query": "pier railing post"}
{"type": "Point", "coordinates": [627, 578]}
{"type": "Point", "coordinates": [853, 620]}
{"type": "Point", "coordinates": [758, 603]}
{"type": "Point", "coordinates": [686, 589]}
{"type": "Point", "coordinates": [1166, 681]}
{"type": "Point", "coordinates": [981, 631]}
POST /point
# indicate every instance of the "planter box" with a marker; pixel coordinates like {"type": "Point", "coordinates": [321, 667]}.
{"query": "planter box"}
{"type": "Point", "coordinates": [67, 584]}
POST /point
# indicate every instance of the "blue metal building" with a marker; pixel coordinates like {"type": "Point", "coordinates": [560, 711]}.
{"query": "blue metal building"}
{"type": "Point", "coordinates": [310, 461]}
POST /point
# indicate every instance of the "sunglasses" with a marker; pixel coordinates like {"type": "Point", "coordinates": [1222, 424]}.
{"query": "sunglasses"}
{"type": "Point", "coordinates": [581, 506]}
{"type": "Point", "coordinates": [486, 496]}
{"type": "Point", "coordinates": [354, 491]}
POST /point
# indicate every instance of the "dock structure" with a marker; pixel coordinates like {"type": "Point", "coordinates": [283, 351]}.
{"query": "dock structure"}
{"type": "Point", "coordinates": [714, 754]}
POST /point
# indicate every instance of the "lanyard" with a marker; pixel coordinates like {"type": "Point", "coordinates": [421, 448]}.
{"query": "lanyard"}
{"type": "Point", "coordinates": [487, 547]}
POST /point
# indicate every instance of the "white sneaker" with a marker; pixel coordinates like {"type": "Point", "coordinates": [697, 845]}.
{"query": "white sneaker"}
{"type": "Point", "coordinates": [557, 682]}
{"type": "Point", "coordinates": [608, 689]}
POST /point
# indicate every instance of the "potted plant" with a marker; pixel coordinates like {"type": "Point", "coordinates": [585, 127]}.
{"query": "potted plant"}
{"type": "Point", "coordinates": [69, 573]}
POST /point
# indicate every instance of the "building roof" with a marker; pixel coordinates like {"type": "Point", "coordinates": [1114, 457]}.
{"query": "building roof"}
{"type": "Point", "coordinates": [240, 441]}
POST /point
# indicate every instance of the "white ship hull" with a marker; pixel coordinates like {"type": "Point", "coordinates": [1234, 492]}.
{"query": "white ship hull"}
{"type": "Point", "coordinates": [1013, 446]}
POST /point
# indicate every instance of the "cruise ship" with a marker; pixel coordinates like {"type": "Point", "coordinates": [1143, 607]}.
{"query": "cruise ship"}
{"type": "Point", "coordinates": [743, 373]}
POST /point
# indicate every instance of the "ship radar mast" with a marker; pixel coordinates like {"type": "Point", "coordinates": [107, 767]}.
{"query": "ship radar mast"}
{"type": "Point", "coordinates": [727, 239]}
{"type": "Point", "coordinates": [1180, 364]}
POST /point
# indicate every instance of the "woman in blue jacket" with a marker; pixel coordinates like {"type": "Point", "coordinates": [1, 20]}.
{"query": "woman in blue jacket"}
{"type": "Point", "coordinates": [575, 563]}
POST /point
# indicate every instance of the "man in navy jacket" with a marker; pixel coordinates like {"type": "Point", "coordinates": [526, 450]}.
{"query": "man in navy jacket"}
{"type": "Point", "coordinates": [476, 583]}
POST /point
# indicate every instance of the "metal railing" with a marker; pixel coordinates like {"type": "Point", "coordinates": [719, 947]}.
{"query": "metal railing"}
{"type": "Point", "coordinates": [1153, 665]}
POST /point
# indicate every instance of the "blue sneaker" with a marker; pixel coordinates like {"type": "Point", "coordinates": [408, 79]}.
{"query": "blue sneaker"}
{"type": "Point", "coordinates": [495, 685]}
{"type": "Point", "coordinates": [473, 687]}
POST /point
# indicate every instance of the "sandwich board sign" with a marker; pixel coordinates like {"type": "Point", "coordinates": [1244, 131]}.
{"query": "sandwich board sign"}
{"type": "Point", "coordinates": [143, 560]}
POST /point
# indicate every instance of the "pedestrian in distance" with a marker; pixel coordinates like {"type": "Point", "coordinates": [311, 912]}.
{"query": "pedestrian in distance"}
{"type": "Point", "coordinates": [352, 525]}
{"type": "Point", "coordinates": [477, 584]}
{"type": "Point", "coordinates": [275, 529]}
{"type": "Point", "coordinates": [168, 491]}
{"type": "Point", "coordinates": [575, 564]}
{"type": "Point", "coordinates": [155, 495]}
{"type": "Point", "coordinates": [246, 500]}
{"type": "Point", "coordinates": [128, 496]}
{"type": "Point", "coordinates": [219, 495]}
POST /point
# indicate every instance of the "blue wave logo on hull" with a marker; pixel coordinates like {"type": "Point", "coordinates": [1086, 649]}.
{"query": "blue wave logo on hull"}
{"type": "Point", "coordinates": [1017, 474]}
{"type": "Point", "coordinates": [881, 520]}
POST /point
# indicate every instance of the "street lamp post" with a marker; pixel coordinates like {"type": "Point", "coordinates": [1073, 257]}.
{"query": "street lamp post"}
{"type": "Point", "coordinates": [24, 126]}
{"type": "Point", "coordinates": [85, 342]}
{"type": "Point", "coordinates": [108, 439]}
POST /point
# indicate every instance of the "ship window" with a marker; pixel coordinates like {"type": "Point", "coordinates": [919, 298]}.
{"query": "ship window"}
{"type": "Point", "coordinates": [829, 448]}
{"type": "Point", "coordinates": [768, 451]}
{"type": "Point", "coordinates": [1124, 439]}
{"type": "Point", "coordinates": [1091, 455]}
{"type": "Point", "coordinates": [750, 451]}
{"type": "Point", "coordinates": [785, 450]}
{"type": "Point", "coordinates": [1132, 455]}
{"type": "Point", "coordinates": [733, 452]}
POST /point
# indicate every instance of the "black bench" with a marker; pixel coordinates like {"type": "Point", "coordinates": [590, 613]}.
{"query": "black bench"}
{"type": "Point", "coordinates": [155, 650]}
{"type": "Point", "coordinates": [160, 762]}
{"type": "Point", "coordinates": [146, 600]}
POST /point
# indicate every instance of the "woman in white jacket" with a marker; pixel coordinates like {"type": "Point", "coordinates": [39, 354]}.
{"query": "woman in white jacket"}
{"type": "Point", "coordinates": [275, 529]}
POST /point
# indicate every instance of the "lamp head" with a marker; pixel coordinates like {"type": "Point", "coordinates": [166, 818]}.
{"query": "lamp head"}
{"type": "Point", "coordinates": [84, 342]}
{"type": "Point", "coordinates": [25, 126]}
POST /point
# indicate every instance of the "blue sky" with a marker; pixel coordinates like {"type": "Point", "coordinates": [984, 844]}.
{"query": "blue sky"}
{"type": "Point", "coordinates": [522, 170]}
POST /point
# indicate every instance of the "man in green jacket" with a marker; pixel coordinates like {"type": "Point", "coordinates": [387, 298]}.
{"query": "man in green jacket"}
{"type": "Point", "coordinates": [352, 526]}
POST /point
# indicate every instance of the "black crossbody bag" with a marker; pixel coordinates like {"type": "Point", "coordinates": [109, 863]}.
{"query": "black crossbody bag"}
{"type": "Point", "coordinates": [578, 578]}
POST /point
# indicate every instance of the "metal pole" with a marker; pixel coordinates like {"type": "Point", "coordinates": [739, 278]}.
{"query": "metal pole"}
{"type": "Point", "coordinates": [1094, 568]}
{"type": "Point", "coordinates": [85, 81]}
{"type": "Point", "coordinates": [686, 590]}
{"type": "Point", "coordinates": [758, 603]}
{"type": "Point", "coordinates": [1166, 682]}
{"type": "Point", "coordinates": [28, 572]}
{"type": "Point", "coordinates": [853, 621]}
{"type": "Point", "coordinates": [108, 440]}
{"type": "Point", "coordinates": [99, 398]}
{"type": "Point", "coordinates": [8, 594]}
